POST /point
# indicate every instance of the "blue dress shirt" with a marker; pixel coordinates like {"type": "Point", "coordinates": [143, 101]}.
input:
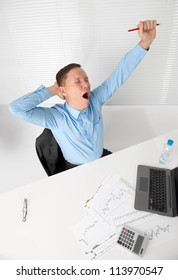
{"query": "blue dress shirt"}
{"type": "Point", "coordinates": [78, 133]}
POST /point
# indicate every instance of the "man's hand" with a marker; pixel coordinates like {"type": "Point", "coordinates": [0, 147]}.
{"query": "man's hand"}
{"type": "Point", "coordinates": [55, 90]}
{"type": "Point", "coordinates": [147, 32]}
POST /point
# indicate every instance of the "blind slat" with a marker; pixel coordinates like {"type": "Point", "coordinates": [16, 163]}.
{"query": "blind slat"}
{"type": "Point", "coordinates": [47, 35]}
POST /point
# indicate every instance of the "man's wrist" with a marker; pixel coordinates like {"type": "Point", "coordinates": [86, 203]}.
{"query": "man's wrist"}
{"type": "Point", "coordinates": [145, 45]}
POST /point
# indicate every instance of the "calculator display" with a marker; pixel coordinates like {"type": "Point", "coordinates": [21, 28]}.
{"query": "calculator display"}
{"type": "Point", "coordinates": [138, 244]}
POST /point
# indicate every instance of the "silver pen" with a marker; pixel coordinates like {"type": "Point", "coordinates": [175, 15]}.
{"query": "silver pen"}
{"type": "Point", "coordinates": [24, 210]}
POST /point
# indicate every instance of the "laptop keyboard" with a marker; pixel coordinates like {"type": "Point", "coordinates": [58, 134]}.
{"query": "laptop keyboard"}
{"type": "Point", "coordinates": [158, 194]}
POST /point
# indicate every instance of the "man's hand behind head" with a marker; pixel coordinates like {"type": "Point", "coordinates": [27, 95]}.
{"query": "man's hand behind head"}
{"type": "Point", "coordinates": [55, 90]}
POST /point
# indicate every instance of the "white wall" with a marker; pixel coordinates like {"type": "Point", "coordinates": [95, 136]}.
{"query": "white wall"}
{"type": "Point", "coordinates": [38, 37]}
{"type": "Point", "coordinates": [11, 79]}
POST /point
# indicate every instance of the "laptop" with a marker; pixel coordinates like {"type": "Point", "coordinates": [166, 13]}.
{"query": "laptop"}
{"type": "Point", "coordinates": [157, 190]}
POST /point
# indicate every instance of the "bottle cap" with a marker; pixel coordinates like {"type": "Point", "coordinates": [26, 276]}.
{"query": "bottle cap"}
{"type": "Point", "coordinates": [170, 142]}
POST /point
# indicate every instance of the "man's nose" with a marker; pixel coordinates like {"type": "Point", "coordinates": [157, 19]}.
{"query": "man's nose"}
{"type": "Point", "coordinates": [85, 85]}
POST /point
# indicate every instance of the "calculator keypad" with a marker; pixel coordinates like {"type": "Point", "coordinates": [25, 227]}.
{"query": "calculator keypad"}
{"type": "Point", "coordinates": [126, 238]}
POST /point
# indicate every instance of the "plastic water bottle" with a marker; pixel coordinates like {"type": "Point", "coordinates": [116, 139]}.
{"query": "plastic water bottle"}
{"type": "Point", "coordinates": [167, 149]}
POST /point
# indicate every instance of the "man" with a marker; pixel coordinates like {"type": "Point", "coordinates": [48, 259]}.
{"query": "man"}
{"type": "Point", "coordinates": [77, 124]}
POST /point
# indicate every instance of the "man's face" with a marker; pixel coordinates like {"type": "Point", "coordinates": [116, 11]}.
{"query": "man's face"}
{"type": "Point", "coordinates": [76, 89]}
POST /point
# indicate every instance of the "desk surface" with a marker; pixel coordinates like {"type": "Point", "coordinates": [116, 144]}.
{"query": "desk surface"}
{"type": "Point", "coordinates": [55, 205]}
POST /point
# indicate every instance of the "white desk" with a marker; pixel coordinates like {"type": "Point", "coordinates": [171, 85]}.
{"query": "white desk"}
{"type": "Point", "coordinates": [55, 204]}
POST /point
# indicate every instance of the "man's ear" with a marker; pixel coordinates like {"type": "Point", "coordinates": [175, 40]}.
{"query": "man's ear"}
{"type": "Point", "coordinates": [62, 92]}
{"type": "Point", "coordinates": [57, 90]}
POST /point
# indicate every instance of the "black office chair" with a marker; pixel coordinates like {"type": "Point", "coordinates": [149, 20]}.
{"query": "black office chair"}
{"type": "Point", "coordinates": [49, 153]}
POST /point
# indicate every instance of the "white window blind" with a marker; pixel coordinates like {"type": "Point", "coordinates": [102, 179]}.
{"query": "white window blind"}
{"type": "Point", "coordinates": [46, 35]}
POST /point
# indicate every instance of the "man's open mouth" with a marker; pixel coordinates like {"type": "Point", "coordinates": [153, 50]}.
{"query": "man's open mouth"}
{"type": "Point", "coordinates": [86, 95]}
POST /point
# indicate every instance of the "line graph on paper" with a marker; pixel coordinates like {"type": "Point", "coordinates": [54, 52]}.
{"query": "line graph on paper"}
{"type": "Point", "coordinates": [114, 193]}
{"type": "Point", "coordinates": [155, 232]}
{"type": "Point", "coordinates": [115, 197]}
{"type": "Point", "coordinates": [130, 216]}
{"type": "Point", "coordinates": [100, 247]}
{"type": "Point", "coordinates": [94, 236]}
{"type": "Point", "coordinates": [115, 204]}
{"type": "Point", "coordinates": [111, 207]}
{"type": "Point", "coordinates": [158, 229]}
{"type": "Point", "coordinates": [97, 233]}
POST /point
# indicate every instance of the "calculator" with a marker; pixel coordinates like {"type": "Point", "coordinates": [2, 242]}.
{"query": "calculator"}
{"type": "Point", "coordinates": [132, 240]}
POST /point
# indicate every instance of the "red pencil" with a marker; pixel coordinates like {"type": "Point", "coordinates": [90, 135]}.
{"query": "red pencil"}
{"type": "Point", "coordinates": [134, 29]}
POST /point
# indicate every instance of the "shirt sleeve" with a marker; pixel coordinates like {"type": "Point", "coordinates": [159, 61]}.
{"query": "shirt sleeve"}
{"type": "Point", "coordinates": [26, 108]}
{"type": "Point", "coordinates": [121, 73]}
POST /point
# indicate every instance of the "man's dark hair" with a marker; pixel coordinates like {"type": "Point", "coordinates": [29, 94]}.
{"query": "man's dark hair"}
{"type": "Point", "coordinates": [62, 74]}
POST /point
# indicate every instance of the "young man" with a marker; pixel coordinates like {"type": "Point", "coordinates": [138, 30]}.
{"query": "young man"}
{"type": "Point", "coordinates": [77, 124]}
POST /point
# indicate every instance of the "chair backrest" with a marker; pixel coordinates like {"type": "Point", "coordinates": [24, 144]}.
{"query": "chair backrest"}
{"type": "Point", "coordinates": [49, 153]}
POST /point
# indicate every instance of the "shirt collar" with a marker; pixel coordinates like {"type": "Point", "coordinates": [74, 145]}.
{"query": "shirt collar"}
{"type": "Point", "coordinates": [74, 112]}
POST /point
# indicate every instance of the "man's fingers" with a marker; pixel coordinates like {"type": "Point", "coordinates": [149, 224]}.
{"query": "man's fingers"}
{"type": "Point", "coordinates": [140, 26]}
{"type": "Point", "coordinates": [146, 25]}
{"type": "Point", "coordinates": [149, 24]}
